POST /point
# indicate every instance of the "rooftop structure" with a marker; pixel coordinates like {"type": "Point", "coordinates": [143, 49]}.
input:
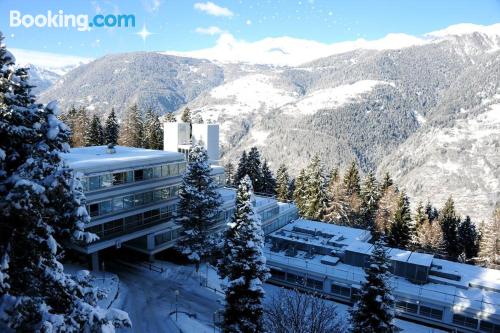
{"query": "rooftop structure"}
{"type": "Point", "coordinates": [330, 259]}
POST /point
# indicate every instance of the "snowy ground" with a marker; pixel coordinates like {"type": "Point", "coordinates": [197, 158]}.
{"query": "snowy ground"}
{"type": "Point", "coordinates": [150, 298]}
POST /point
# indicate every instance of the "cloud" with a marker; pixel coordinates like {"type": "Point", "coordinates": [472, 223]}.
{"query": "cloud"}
{"type": "Point", "coordinates": [151, 6]}
{"type": "Point", "coordinates": [212, 9]}
{"type": "Point", "coordinates": [51, 61]}
{"type": "Point", "coordinates": [212, 30]}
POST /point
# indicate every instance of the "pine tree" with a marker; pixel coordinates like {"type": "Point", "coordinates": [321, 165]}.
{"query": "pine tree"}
{"type": "Point", "coordinates": [369, 201]}
{"type": "Point", "coordinates": [449, 224]}
{"type": "Point", "coordinates": [283, 184]}
{"type": "Point", "coordinates": [79, 122]}
{"type": "Point", "coordinates": [351, 180]}
{"type": "Point", "coordinates": [315, 192]}
{"type": "Point", "coordinates": [41, 205]}
{"type": "Point", "coordinates": [70, 119]}
{"type": "Point", "coordinates": [199, 205]}
{"type": "Point", "coordinates": [242, 170]}
{"type": "Point", "coordinates": [299, 194]}
{"type": "Point", "coordinates": [468, 238]}
{"type": "Point", "coordinates": [254, 169]}
{"type": "Point", "coordinates": [132, 133]}
{"type": "Point", "coordinates": [94, 135]}
{"type": "Point", "coordinates": [268, 181]}
{"type": "Point", "coordinates": [243, 265]}
{"type": "Point", "coordinates": [186, 116]}
{"type": "Point", "coordinates": [386, 182]}
{"type": "Point", "coordinates": [229, 170]}
{"type": "Point", "coordinates": [489, 244]}
{"type": "Point", "coordinates": [401, 229]}
{"type": "Point", "coordinates": [333, 177]}
{"type": "Point", "coordinates": [111, 129]}
{"type": "Point", "coordinates": [374, 311]}
{"type": "Point", "coordinates": [169, 118]}
{"type": "Point", "coordinates": [431, 212]}
{"type": "Point", "coordinates": [153, 133]}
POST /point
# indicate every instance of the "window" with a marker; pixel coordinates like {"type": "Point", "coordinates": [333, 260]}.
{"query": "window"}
{"type": "Point", "coordinates": [163, 237]}
{"type": "Point", "coordinates": [157, 195]}
{"type": "Point", "coordinates": [341, 290]}
{"type": "Point", "coordinates": [106, 180]}
{"type": "Point", "coordinates": [157, 172]}
{"type": "Point", "coordinates": [486, 326]}
{"type": "Point", "coordinates": [294, 278]}
{"type": "Point", "coordinates": [174, 169]}
{"type": "Point", "coordinates": [148, 173]}
{"type": "Point", "coordinates": [182, 168]}
{"type": "Point", "coordinates": [148, 197]}
{"type": "Point", "coordinates": [165, 170]}
{"type": "Point", "coordinates": [464, 321]}
{"type": "Point", "coordinates": [139, 199]}
{"type": "Point", "coordinates": [118, 203]}
{"type": "Point", "coordinates": [128, 201]}
{"type": "Point", "coordinates": [276, 274]}
{"type": "Point", "coordinates": [97, 229]}
{"type": "Point", "coordinates": [94, 210]}
{"type": "Point", "coordinates": [133, 221]}
{"type": "Point", "coordinates": [94, 183]}
{"type": "Point", "coordinates": [113, 227]}
{"type": "Point", "coordinates": [151, 215]}
{"type": "Point", "coordinates": [314, 284]}
{"type": "Point", "coordinates": [105, 207]}
{"type": "Point", "coordinates": [138, 175]}
{"type": "Point", "coordinates": [122, 177]}
{"type": "Point", "coordinates": [406, 306]}
{"type": "Point", "coordinates": [85, 184]}
{"type": "Point", "coordinates": [431, 312]}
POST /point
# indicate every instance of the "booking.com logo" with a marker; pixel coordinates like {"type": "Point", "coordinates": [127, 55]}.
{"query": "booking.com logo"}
{"type": "Point", "coordinates": [61, 20]}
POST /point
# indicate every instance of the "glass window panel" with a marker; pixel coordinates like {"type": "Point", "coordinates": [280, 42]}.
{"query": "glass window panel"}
{"type": "Point", "coordinates": [148, 173]}
{"type": "Point", "coordinates": [157, 172]}
{"type": "Point", "coordinates": [94, 183]}
{"type": "Point", "coordinates": [117, 203]}
{"type": "Point", "coordinates": [107, 180]}
{"type": "Point", "coordinates": [119, 178]}
{"type": "Point", "coordinates": [93, 210]}
{"type": "Point", "coordinates": [138, 175]}
{"type": "Point", "coordinates": [105, 207]}
{"type": "Point", "coordinates": [85, 183]}
{"type": "Point", "coordinates": [128, 201]}
{"type": "Point", "coordinates": [182, 167]}
{"type": "Point", "coordinates": [148, 197]}
{"type": "Point", "coordinates": [138, 199]}
{"type": "Point", "coordinates": [157, 195]}
{"type": "Point", "coordinates": [165, 170]}
{"type": "Point", "coordinates": [174, 169]}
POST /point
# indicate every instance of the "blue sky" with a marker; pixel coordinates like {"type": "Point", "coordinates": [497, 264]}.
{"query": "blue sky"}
{"type": "Point", "coordinates": [179, 25]}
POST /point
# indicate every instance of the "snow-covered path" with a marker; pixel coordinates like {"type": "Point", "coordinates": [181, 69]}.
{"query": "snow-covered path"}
{"type": "Point", "coordinates": [149, 297]}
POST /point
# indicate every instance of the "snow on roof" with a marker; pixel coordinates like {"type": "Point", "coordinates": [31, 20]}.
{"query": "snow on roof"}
{"type": "Point", "coordinates": [399, 255]}
{"type": "Point", "coordinates": [421, 259]}
{"type": "Point", "coordinates": [330, 229]}
{"type": "Point", "coordinates": [96, 158]}
{"type": "Point", "coordinates": [360, 247]}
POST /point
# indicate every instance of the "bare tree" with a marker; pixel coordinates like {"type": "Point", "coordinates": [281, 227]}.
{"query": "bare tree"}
{"type": "Point", "coordinates": [290, 311]}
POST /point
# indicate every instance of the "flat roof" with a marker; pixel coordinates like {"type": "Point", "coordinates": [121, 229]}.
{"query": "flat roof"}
{"type": "Point", "coordinates": [399, 255]}
{"type": "Point", "coordinates": [96, 159]}
{"type": "Point", "coordinates": [347, 233]}
{"type": "Point", "coordinates": [360, 247]}
{"type": "Point", "coordinates": [421, 259]}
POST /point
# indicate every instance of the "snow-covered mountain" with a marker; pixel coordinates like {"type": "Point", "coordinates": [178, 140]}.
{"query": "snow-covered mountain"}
{"type": "Point", "coordinates": [377, 102]}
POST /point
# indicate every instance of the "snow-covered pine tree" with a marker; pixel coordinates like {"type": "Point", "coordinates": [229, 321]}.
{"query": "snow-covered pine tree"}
{"type": "Point", "coordinates": [169, 117]}
{"type": "Point", "coordinates": [79, 122]}
{"type": "Point", "coordinates": [299, 193]}
{"type": "Point", "coordinates": [94, 135]}
{"type": "Point", "coordinates": [315, 192]}
{"type": "Point", "coordinates": [41, 204]}
{"type": "Point", "coordinates": [199, 205]}
{"type": "Point", "coordinates": [254, 169]}
{"type": "Point", "coordinates": [132, 132]}
{"type": "Point", "coordinates": [369, 201]}
{"type": "Point", "coordinates": [333, 177]}
{"type": "Point", "coordinates": [111, 129]}
{"type": "Point", "coordinates": [242, 170]}
{"type": "Point", "coordinates": [186, 115]}
{"type": "Point", "coordinates": [244, 265]}
{"type": "Point", "coordinates": [153, 133]}
{"type": "Point", "coordinates": [449, 223]}
{"type": "Point", "coordinates": [229, 171]}
{"type": "Point", "coordinates": [351, 180]}
{"type": "Point", "coordinates": [374, 310]}
{"type": "Point", "coordinates": [468, 238]}
{"type": "Point", "coordinates": [282, 184]}
{"type": "Point", "coordinates": [489, 249]}
{"type": "Point", "coordinates": [401, 230]}
{"type": "Point", "coordinates": [268, 181]}
{"type": "Point", "coordinates": [69, 118]}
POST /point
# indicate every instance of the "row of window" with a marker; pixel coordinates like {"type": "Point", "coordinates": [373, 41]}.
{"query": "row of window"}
{"type": "Point", "coordinates": [130, 201]}
{"type": "Point", "coordinates": [167, 236]}
{"type": "Point", "coordinates": [134, 221]}
{"type": "Point", "coordinates": [118, 178]}
{"type": "Point", "coordinates": [341, 290]}
{"type": "Point", "coordinates": [270, 213]}
{"type": "Point", "coordinates": [297, 279]}
{"type": "Point", "coordinates": [469, 322]}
